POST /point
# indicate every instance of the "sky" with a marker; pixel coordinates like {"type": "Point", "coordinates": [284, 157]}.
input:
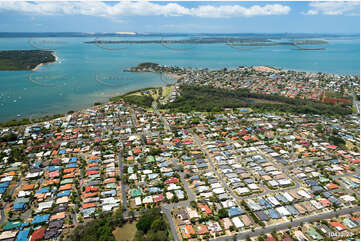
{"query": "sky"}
{"type": "Point", "coordinates": [180, 16]}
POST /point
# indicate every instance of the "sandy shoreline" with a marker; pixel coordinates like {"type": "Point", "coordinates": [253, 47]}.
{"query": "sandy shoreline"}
{"type": "Point", "coordinates": [46, 63]}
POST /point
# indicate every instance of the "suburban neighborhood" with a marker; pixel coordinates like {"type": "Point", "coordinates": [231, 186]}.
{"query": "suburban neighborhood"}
{"type": "Point", "coordinates": [236, 174]}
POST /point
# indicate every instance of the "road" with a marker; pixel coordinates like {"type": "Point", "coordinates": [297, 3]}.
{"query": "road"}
{"type": "Point", "coordinates": [11, 193]}
{"type": "Point", "coordinates": [230, 191]}
{"type": "Point", "coordinates": [173, 229]}
{"type": "Point", "coordinates": [165, 122]}
{"type": "Point", "coordinates": [287, 225]}
{"type": "Point", "coordinates": [348, 174]}
{"type": "Point", "coordinates": [355, 102]}
{"type": "Point", "coordinates": [124, 194]}
{"type": "Point", "coordinates": [167, 208]}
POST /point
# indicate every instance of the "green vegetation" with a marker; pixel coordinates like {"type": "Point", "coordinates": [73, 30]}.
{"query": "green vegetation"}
{"type": "Point", "coordinates": [27, 121]}
{"type": "Point", "coordinates": [100, 228]}
{"type": "Point", "coordinates": [337, 140]}
{"type": "Point", "coordinates": [148, 65]}
{"type": "Point", "coordinates": [152, 226]}
{"type": "Point", "coordinates": [222, 213]}
{"type": "Point", "coordinates": [8, 138]}
{"type": "Point", "coordinates": [143, 101]}
{"type": "Point", "coordinates": [15, 60]}
{"type": "Point", "coordinates": [207, 99]}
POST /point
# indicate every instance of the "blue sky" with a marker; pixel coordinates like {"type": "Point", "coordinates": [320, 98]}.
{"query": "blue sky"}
{"type": "Point", "coordinates": [178, 16]}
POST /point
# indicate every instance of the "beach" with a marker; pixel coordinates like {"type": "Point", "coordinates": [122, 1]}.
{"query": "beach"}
{"type": "Point", "coordinates": [46, 63]}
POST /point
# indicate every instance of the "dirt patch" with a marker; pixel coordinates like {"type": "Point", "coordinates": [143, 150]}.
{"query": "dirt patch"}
{"type": "Point", "coordinates": [126, 232]}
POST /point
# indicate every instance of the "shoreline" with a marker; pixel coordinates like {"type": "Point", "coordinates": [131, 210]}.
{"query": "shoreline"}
{"type": "Point", "coordinates": [90, 106]}
{"type": "Point", "coordinates": [46, 63]}
{"type": "Point", "coordinates": [121, 94]}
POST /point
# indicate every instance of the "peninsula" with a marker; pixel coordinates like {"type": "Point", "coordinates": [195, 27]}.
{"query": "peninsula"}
{"type": "Point", "coordinates": [24, 60]}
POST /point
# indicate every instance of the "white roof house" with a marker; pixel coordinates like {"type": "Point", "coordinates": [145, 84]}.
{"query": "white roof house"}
{"type": "Point", "coordinates": [173, 186]}
{"type": "Point", "coordinates": [283, 211]}
{"type": "Point", "coordinates": [219, 190]}
{"type": "Point", "coordinates": [288, 196]}
{"type": "Point", "coordinates": [273, 200]}
{"type": "Point", "coordinates": [237, 222]}
{"type": "Point", "coordinates": [316, 204]}
{"type": "Point", "coordinates": [148, 199]}
{"type": "Point", "coordinates": [253, 186]}
{"type": "Point", "coordinates": [348, 198]}
{"type": "Point", "coordinates": [44, 205]}
{"type": "Point", "coordinates": [138, 201]}
{"type": "Point", "coordinates": [304, 194]}
{"type": "Point", "coordinates": [228, 204]}
{"type": "Point", "coordinates": [242, 190]}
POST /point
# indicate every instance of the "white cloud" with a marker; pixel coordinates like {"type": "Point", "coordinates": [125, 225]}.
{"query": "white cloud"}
{"type": "Point", "coordinates": [311, 12]}
{"type": "Point", "coordinates": [334, 8]}
{"type": "Point", "coordinates": [142, 8]}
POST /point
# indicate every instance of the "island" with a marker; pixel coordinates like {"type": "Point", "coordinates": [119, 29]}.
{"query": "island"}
{"type": "Point", "coordinates": [24, 60]}
{"type": "Point", "coordinates": [253, 41]}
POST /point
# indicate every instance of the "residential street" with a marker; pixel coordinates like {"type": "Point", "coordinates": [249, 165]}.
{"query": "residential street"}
{"type": "Point", "coordinates": [294, 223]}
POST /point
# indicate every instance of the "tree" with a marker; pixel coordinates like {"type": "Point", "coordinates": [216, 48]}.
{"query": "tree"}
{"type": "Point", "coordinates": [158, 236]}
{"type": "Point", "coordinates": [139, 236]}
{"type": "Point", "coordinates": [158, 224]}
{"type": "Point", "coordinates": [222, 213]}
{"type": "Point", "coordinates": [144, 224]}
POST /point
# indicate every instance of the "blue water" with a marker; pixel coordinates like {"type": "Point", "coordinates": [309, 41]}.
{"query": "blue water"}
{"type": "Point", "coordinates": [71, 84]}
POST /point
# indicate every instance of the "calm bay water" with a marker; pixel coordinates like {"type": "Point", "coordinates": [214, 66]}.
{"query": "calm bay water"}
{"type": "Point", "coordinates": [86, 73]}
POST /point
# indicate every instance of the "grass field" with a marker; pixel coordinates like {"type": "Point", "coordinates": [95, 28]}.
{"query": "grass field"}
{"type": "Point", "coordinates": [166, 90]}
{"type": "Point", "coordinates": [126, 232]}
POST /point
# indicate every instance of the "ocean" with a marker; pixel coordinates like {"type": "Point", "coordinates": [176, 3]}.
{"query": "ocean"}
{"type": "Point", "coordinates": [89, 73]}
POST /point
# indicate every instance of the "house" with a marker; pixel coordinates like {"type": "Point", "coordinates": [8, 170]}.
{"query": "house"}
{"type": "Point", "coordinates": [300, 236]}
{"type": "Point", "coordinates": [337, 225]}
{"type": "Point", "coordinates": [205, 208]}
{"type": "Point", "coordinates": [135, 193]}
{"type": "Point", "coordinates": [215, 227]}
{"type": "Point", "coordinates": [202, 229]}
{"type": "Point", "coordinates": [226, 223]}
{"type": "Point", "coordinates": [182, 215]}
{"type": "Point", "coordinates": [23, 235]}
{"type": "Point", "coordinates": [349, 223]}
{"type": "Point", "coordinates": [12, 225]}
{"type": "Point", "coordinates": [138, 201]}
{"type": "Point", "coordinates": [187, 231]}
{"type": "Point", "coordinates": [172, 180]}
{"type": "Point", "coordinates": [158, 198]}
{"type": "Point", "coordinates": [179, 194]}
{"type": "Point", "coordinates": [262, 216]}
{"type": "Point", "coordinates": [8, 235]}
{"type": "Point", "coordinates": [237, 222]}
{"type": "Point", "coordinates": [38, 234]}
{"type": "Point", "coordinates": [235, 211]}
{"type": "Point", "coordinates": [192, 213]}
{"type": "Point", "coordinates": [40, 219]}
{"type": "Point", "coordinates": [313, 234]}
{"type": "Point", "coordinates": [246, 220]}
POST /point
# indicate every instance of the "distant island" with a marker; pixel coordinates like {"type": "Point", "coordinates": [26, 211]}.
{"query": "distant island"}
{"type": "Point", "coordinates": [250, 41]}
{"type": "Point", "coordinates": [25, 60]}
